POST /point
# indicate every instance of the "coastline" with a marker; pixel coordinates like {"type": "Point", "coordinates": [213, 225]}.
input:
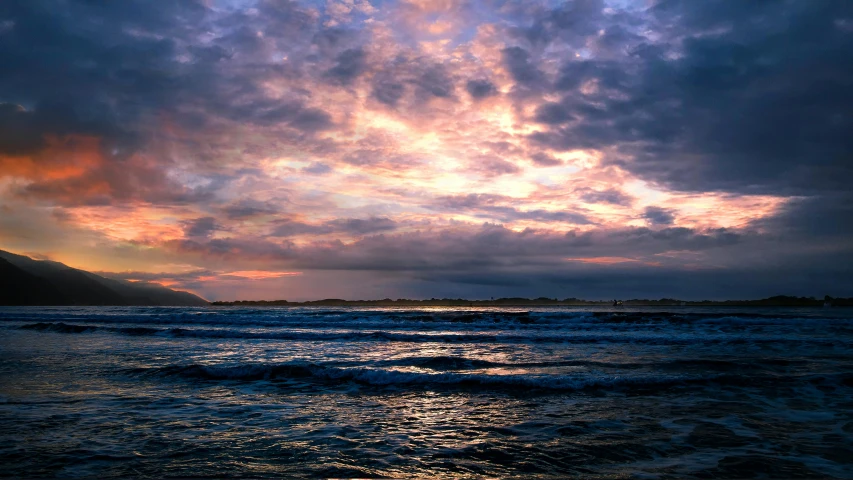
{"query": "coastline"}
{"type": "Point", "coordinates": [776, 301]}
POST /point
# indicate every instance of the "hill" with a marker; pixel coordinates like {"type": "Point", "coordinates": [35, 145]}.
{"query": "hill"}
{"type": "Point", "coordinates": [18, 287]}
{"type": "Point", "coordinates": [25, 281]}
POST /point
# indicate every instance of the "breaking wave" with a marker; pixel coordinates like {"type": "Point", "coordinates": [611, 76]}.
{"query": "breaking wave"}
{"type": "Point", "coordinates": [391, 378]}
{"type": "Point", "coordinates": [470, 336]}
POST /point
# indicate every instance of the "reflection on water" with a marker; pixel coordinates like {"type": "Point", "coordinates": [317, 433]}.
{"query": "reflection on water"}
{"type": "Point", "coordinates": [696, 393]}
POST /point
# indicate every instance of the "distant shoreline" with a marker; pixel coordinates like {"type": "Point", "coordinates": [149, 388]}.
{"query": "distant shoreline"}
{"type": "Point", "coordinates": [776, 301]}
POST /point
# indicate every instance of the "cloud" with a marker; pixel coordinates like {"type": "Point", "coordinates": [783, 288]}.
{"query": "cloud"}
{"type": "Point", "coordinates": [552, 113]}
{"type": "Point", "coordinates": [492, 246]}
{"type": "Point", "coordinates": [260, 274]}
{"type": "Point", "coordinates": [726, 110]}
{"type": "Point", "coordinates": [520, 66]}
{"type": "Point", "coordinates": [317, 168]}
{"type": "Point", "coordinates": [388, 92]}
{"type": "Point", "coordinates": [349, 64]}
{"type": "Point", "coordinates": [246, 208]}
{"type": "Point", "coordinates": [480, 88]}
{"type": "Point", "coordinates": [702, 137]}
{"type": "Point", "coordinates": [571, 22]}
{"type": "Point", "coordinates": [611, 196]}
{"type": "Point", "coordinates": [349, 226]}
{"type": "Point", "coordinates": [436, 82]}
{"type": "Point", "coordinates": [76, 170]}
{"type": "Point", "coordinates": [498, 207]}
{"type": "Point", "coordinates": [200, 227]}
{"type": "Point", "coordinates": [815, 218]}
{"type": "Point", "coordinates": [25, 132]}
{"type": "Point", "coordinates": [659, 216]}
{"type": "Point", "coordinates": [362, 225]}
{"type": "Point", "coordinates": [490, 166]}
{"type": "Point", "coordinates": [545, 160]}
{"type": "Point", "coordinates": [185, 277]}
{"type": "Point", "coordinates": [311, 120]}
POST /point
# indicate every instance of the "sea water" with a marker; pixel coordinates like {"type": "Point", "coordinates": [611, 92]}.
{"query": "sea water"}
{"type": "Point", "coordinates": [679, 392]}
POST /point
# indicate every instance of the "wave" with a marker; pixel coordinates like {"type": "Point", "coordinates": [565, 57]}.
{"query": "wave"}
{"type": "Point", "coordinates": [376, 377]}
{"type": "Point", "coordinates": [455, 363]}
{"type": "Point", "coordinates": [446, 362]}
{"type": "Point", "coordinates": [61, 327]}
{"type": "Point", "coordinates": [422, 319]}
{"type": "Point", "coordinates": [570, 337]}
{"type": "Point", "coordinates": [391, 378]}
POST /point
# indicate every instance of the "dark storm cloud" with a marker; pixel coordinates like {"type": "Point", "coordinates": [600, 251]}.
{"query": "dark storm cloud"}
{"type": "Point", "coordinates": [350, 226]}
{"type": "Point", "coordinates": [349, 64]}
{"type": "Point", "coordinates": [480, 88]}
{"type": "Point", "coordinates": [200, 227]}
{"type": "Point", "coordinates": [435, 81]}
{"type": "Point", "coordinates": [659, 216]}
{"type": "Point", "coordinates": [24, 131]}
{"type": "Point", "coordinates": [518, 62]}
{"type": "Point", "coordinates": [629, 281]}
{"type": "Point", "coordinates": [362, 226]}
{"type": "Point", "coordinates": [317, 168]}
{"type": "Point", "coordinates": [115, 71]}
{"type": "Point", "coordinates": [234, 248]}
{"type": "Point", "coordinates": [492, 166]}
{"type": "Point", "coordinates": [571, 22]}
{"type": "Point", "coordinates": [472, 200]}
{"type": "Point", "coordinates": [422, 76]}
{"type": "Point", "coordinates": [494, 246]}
{"type": "Point", "coordinates": [121, 61]}
{"type": "Point", "coordinates": [552, 113]}
{"type": "Point", "coordinates": [312, 119]}
{"type": "Point", "coordinates": [106, 74]}
{"type": "Point", "coordinates": [115, 184]}
{"type": "Point", "coordinates": [545, 160]}
{"type": "Point", "coordinates": [614, 197]}
{"type": "Point", "coordinates": [289, 228]}
{"type": "Point", "coordinates": [745, 97]}
{"type": "Point", "coordinates": [376, 157]}
{"type": "Point", "coordinates": [827, 218]}
{"type": "Point", "coordinates": [389, 92]}
{"type": "Point", "coordinates": [743, 263]}
{"type": "Point", "coordinates": [495, 207]}
{"type": "Point", "coordinates": [249, 208]}
{"type": "Point", "coordinates": [115, 103]}
{"type": "Point", "coordinates": [608, 73]}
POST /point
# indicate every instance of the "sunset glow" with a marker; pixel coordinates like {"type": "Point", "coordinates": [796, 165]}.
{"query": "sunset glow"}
{"type": "Point", "coordinates": [340, 149]}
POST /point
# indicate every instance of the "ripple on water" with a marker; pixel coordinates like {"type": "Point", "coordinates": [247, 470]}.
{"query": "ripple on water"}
{"type": "Point", "coordinates": [401, 393]}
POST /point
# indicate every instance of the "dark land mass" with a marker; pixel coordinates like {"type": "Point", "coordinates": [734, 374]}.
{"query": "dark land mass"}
{"type": "Point", "coordinates": [777, 301]}
{"type": "Point", "coordinates": [24, 281]}
{"type": "Point", "coordinates": [18, 287]}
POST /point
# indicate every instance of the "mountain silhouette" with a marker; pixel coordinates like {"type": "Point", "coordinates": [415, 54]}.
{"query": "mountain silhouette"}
{"type": "Point", "coordinates": [24, 281]}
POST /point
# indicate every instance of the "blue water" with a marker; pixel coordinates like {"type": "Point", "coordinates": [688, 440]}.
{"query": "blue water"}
{"type": "Point", "coordinates": [433, 392]}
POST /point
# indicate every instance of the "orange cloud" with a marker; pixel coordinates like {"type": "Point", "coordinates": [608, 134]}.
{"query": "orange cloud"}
{"type": "Point", "coordinates": [61, 158]}
{"type": "Point", "coordinates": [260, 274]}
{"type": "Point", "coordinates": [603, 260]}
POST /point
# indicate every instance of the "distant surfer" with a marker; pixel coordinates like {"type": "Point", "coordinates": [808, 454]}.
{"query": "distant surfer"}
{"type": "Point", "coordinates": [617, 303]}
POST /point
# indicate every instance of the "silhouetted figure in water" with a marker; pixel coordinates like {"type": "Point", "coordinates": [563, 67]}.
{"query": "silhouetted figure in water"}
{"type": "Point", "coordinates": [617, 303]}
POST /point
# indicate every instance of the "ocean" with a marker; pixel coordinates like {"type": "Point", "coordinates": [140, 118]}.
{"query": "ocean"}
{"type": "Point", "coordinates": [675, 392]}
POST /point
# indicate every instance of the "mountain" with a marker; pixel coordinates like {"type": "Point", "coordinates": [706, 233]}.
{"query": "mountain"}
{"type": "Point", "coordinates": [18, 287]}
{"type": "Point", "coordinates": [25, 281]}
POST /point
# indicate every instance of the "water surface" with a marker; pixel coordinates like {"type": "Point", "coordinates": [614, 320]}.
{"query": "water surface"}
{"type": "Point", "coordinates": [679, 392]}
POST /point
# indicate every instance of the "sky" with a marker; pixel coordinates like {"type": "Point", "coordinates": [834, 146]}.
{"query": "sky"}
{"type": "Point", "coordinates": [275, 149]}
